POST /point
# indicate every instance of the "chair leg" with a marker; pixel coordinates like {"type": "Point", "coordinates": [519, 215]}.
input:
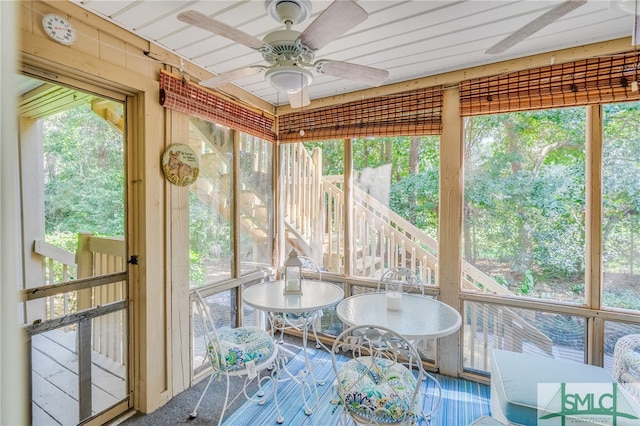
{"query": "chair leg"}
{"type": "Point", "coordinates": [437, 396]}
{"type": "Point", "coordinates": [194, 413]}
{"type": "Point", "coordinates": [226, 400]}
{"type": "Point", "coordinates": [275, 376]}
{"type": "Point", "coordinates": [319, 343]}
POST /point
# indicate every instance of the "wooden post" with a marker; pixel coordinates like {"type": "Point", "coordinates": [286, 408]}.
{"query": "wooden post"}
{"type": "Point", "coordinates": [84, 264]}
{"type": "Point", "coordinates": [348, 212]}
{"type": "Point", "coordinates": [593, 228]}
{"type": "Point", "coordinates": [450, 226]}
{"type": "Point", "coordinates": [317, 209]}
{"type": "Point", "coordinates": [84, 369]}
{"type": "Point", "coordinates": [178, 371]}
{"type": "Point", "coordinates": [31, 156]}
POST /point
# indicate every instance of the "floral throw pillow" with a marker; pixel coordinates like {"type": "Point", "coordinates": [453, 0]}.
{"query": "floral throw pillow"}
{"type": "Point", "coordinates": [377, 389]}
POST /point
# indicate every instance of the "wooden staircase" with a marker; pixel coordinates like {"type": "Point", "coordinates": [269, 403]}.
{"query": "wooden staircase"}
{"type": "Point", "coordinates": [314, 218]}
{"type": "Point", "coordinates": [314, 215]}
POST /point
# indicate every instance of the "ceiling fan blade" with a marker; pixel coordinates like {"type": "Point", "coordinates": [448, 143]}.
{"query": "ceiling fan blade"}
{"type": "Point", "coordinates": [205, 22]}
{"type": "Point", "coordinates": [230, 76]}
{"type": "Point", "coordinates": [299, 99]}
{"type": "Point", "coordinates": [349, 71]}
{"type": "Point", "coordinates": [536, 25]}
{"type": "Point", "coordinates": [334, 21]}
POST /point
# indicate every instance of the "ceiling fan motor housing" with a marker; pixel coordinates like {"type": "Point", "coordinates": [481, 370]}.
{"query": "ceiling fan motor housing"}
{"type": "Point", "coordinates": [285, 45]}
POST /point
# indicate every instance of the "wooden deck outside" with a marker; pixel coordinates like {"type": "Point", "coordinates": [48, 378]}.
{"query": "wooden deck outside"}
{"type": "Point", "coordinates": [55, 379]}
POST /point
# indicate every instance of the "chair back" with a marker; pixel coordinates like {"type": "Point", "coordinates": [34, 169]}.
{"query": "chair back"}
{"type": "Point", "coordinates": [405, 277]}
{"type": "Point", "coordinates": [214, 349]}
{"type": "Point", "coordinates": [310, 265]}
{"type": "Point", "coordinates": [380, 382]}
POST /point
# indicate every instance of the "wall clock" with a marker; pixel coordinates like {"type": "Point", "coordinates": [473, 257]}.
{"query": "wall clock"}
{"type": "Point", "coordinates": [59, 29]}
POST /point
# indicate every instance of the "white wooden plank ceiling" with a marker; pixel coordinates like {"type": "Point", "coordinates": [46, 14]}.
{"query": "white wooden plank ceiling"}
{"type": "Point", "coordinates": [410, 39]}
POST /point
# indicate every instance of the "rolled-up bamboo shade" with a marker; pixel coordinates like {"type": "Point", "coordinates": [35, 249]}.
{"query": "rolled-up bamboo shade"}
{"type": "Point", "coordinates": [189, 98]}
{"type": "Point", "coordinates": [584, 82]}
{"type": "Point", "coordinates": [413, 113]}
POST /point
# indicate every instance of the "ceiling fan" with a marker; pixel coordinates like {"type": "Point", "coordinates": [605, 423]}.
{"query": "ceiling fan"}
{"type": "Point", "coordinates": [289, 53]}
{"type": "Point", "coordinates": [557, 12]}
{"type": "Point", "coordinates": [534, 26]}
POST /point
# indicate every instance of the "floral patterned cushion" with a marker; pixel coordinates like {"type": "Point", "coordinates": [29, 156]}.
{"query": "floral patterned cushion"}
{"type": "Point", "coordinates": [377, 389]}
{"type": "Point", "coordinates": [241, 345]}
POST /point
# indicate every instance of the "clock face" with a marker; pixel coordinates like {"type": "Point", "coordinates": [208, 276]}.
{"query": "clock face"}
{"type": "Point", "coordinates": [59, 29]}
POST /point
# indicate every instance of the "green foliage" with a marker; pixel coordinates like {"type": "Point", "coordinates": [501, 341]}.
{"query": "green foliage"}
{"type": "Point", "coordinates": [501, 280]}
{"type": "Point", "coordinates": [332, 156]}
{"type": "Point", "coordinates": [197, 269]}
{"type": "Point", "coordinates": [415, 198]}
{"type": "Point", "coordinates": [207, 229]}
{"type": "Point", "coordinates": [526, 286]}
{"type": "Point", "coordinates": [524, 189]}
{"type": "Point", "coordinates": [525, 180]}
{"type": "Point", "coordinates": [84, 174]}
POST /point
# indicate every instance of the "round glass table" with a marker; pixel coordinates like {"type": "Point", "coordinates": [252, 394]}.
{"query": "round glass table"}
{"type": "Point", "coordinates": [419, 317]}
{"type": "Point", "coordinates": [316, 295]}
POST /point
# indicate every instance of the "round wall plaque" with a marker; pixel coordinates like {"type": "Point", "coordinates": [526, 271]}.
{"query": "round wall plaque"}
{"type": "Point", "coordinates": [180, 165]}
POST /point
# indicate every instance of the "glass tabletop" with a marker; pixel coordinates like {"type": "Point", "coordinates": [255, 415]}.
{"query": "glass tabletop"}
{"type": "Point", "coordinates": [419, 317]}
{"type": "Point", "coordinates": [269, 296]}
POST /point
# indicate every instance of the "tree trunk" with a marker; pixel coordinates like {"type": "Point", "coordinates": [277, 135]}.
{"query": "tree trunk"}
{"type": "Point", "coordinates": [386, 151]}
{"type": "Point", "coordinates": [414, 155]}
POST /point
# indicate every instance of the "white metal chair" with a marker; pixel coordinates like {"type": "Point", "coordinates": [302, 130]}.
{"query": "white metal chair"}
{"type": "Point", "coordinates": [280, 321]}
{"type": "Point", "coordinates": [379, 384]}
{"type": "Point", "coordinates": [240, 351]}
{"type": "Point", "coordinates": [408, 279]}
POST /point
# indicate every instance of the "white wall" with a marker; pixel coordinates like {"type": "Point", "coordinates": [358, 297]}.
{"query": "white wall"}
{"type": "Point", "coordinates": [12, 384]}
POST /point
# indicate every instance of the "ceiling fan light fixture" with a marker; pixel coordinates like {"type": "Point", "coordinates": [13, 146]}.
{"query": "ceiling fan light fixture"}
{"type": "Point", "coordinates": [288, 78]}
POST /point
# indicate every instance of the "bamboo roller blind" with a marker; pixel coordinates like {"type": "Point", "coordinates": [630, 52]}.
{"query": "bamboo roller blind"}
{"type": "Point", "coordinates": [413, 113]}
{"type": "Point", "coordinates": [184, 96]}
{"type": "Point", "coordinates": [588, 81]}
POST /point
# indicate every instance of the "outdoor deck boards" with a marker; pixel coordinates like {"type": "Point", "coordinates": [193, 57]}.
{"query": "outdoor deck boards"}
{"type": "Point", "coordinates": [55, 379]}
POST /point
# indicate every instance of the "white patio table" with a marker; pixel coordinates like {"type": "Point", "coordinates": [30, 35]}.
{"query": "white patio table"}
{"type": "Point", "coordinates": [316, 295]}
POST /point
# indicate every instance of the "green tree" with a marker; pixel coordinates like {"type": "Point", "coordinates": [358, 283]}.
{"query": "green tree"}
{"type": "Point", "coordinates": [84, 174]}
{"type": "Point", "coordinates": [524, 190]}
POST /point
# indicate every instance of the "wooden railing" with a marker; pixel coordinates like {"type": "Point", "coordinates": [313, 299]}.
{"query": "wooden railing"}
{"type": "Point", "coordinates": [314, 212]}
{"type": "Point", "coordinates": [384, 240]}
{"type": "Point", "coordinates": [59, 266]}
{"type": "Point", "coordinates": [96, 256]}
{"type": "Point", "coordinates": [487, 327]}
{"type": "Point", "coordinates": [80, 312]}
{"type": "Point", "coordinates": [303, 203]}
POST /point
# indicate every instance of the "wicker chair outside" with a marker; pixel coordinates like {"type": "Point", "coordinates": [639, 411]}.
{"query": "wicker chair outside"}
{"type": "Point", "coordinates": [626, 364]}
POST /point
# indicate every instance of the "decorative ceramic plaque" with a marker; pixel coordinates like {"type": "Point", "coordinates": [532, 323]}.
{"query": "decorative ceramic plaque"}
{"type": "Point", "coordinates": [180, 165]}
